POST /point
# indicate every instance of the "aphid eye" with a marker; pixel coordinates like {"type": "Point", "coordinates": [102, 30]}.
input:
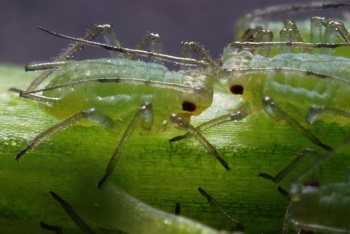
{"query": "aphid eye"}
{"type": "Point", "coordinates": [188, 106]}
{"type": "Point", "coordinates": [237, 89]}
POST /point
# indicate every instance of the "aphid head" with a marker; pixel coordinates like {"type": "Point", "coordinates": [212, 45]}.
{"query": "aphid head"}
{"type": "Point", "coordinates": [241, 85]}
{"type": "Point", "coordinates": [200, 97]}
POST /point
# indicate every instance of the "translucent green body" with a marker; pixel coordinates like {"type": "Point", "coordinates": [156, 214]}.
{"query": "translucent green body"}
{"type": "Point", "coordinates": [296, 91]}
{"type": "Point", "coordinates": [324, 208]}
{"type": "Point", "coordinates": [121, 100]}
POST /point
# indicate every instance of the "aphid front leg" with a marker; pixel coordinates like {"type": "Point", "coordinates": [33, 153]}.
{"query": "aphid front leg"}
{"type": "Point", "coordinates": [239, 114]}
{"type": "Point", "coordinates": [180, 123]}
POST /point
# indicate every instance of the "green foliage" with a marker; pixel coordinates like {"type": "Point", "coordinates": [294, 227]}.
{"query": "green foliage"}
{"type": "Point", "coordinates": [151, 169]}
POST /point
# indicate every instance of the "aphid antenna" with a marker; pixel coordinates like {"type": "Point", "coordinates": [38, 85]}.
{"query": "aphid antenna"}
{"type": "Point", "coordinates": [291, 70]}
{"type": "Point", "coordinates": [148, 54]}
{"type": "Point", "coordinates": [295, 44]}
{"type": "Point", "coordinates": [157, 84]}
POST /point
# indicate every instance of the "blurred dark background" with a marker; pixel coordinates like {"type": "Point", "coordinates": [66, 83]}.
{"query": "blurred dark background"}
{"type": "Point", "coordinates": [209, 22]}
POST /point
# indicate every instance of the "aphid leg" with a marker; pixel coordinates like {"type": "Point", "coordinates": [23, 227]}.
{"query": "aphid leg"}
{"type": "Point", "coordinates": [315, 111]}
{"type": "Point", "coordinates": [109, 36]}
{"type": "Point", "coordinates": [151, 42]}
{"type": "Point", "coordinates": [279, 115]}
{"type": "Point", "coordinates": [91, 114]}
{"type": "Point", "coordinates": [72, 214]}
{"type": "Point", "coordinates": [239, 114]}
{"type": "Point", "coordinates": [263, 36]}
{"type": "Point", "coordinates": [320, 159]}
{"type": "Point", "coordinates": [187, 49]}
{"type": "Point", "coordinates": [56, 229]}
{"type": "Point", "coordinates": [177, 208]}
{"type": "Point", "coordinates": [333, 30]}
{"type": "Point", "coordinates": [143, 116]}
{"type": "Point", "coordinates": [180, 123]}
{"type": "Point", "coordinates": [285, 171]}
{"type": "Point", "coordinates": [32, 96]}
{"type": "Point", "coordinates": [213, 203]}
{"type": "Point", "coordinates": [291, 33]}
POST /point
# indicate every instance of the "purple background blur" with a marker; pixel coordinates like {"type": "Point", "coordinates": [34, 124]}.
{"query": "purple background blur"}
{"type": "Point", "coordinates": [207, 21]}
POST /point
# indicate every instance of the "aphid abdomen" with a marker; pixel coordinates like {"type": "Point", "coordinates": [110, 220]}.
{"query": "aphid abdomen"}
{"type": "Point", "coordinates": [115, 100]}
{"type": "Point", "coordinates": [301, 89]}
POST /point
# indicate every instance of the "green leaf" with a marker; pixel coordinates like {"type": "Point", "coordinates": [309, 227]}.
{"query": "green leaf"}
{"type": "Point", "coordinates": [151, 170]}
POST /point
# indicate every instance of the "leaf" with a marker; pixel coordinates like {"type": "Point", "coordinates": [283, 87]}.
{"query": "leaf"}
{"type": "Point", "coordinates": [151, 170]}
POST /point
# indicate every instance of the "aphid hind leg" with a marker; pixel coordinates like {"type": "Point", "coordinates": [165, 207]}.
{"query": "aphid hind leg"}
{"type": "Point", "coordinates": [72, 214]}
{"type": "Point", "coordinates": [109, 36]}
{"type": "Point", "coordinates": [280, 115]}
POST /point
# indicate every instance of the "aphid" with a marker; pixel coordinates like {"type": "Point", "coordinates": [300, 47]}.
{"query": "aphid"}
{"type": "Point", "coordinates": [120, 93]}
{"type": "Point", "coordinates": [298, 89]}
{"type": "Point", "coordinates": [314, 207]}
{"type": "Point", "coordinates": [308, 79]}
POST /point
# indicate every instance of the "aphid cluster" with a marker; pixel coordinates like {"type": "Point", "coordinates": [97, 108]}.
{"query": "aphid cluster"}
{"type": "Point", "coordinates": [124, 94]}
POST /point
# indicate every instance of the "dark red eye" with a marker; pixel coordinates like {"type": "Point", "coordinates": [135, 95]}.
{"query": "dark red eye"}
{"type": "Point", "coordinates": [188, 106]}
{"type": "Point", "coordinates": [237, 89]}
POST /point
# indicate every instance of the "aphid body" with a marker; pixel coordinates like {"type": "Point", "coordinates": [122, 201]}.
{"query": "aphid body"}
{"type": "Point", "coordinates": [121, 95]}
{"type": "Point", "coordinates": [120, 100]}
{"type": "Point", "coordinates": [295, 81]}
